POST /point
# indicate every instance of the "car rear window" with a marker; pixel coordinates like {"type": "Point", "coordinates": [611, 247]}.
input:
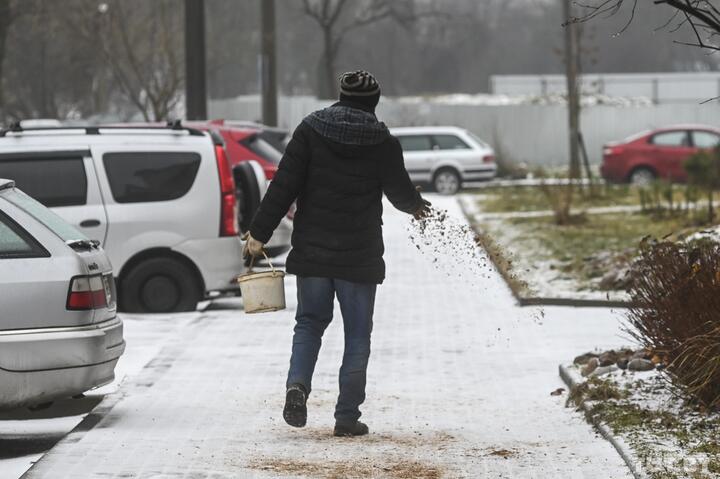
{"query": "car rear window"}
{"type": "Point", "coordinates": [263, 149]}
{"type": "Point", "coordinates": [15, 242]}
{"type": "Point", "coordinates": [52, 221]}
{"type": "Point", "coordinates": [150, 176]}
{"type": "Point", "coordinates": [52, 181]}
{"type": "Point", "coordinates": [415, 142]}
{"type": "Point", "coordinates": [450, 142]}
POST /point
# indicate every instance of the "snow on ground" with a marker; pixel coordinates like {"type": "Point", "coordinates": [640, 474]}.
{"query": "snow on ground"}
{"type": "Point", "coordinates": [544, 280]}
{"type": "Point", "coordinates": [459, 386]}
{"type": "Point", "coordinates": [25, 436]}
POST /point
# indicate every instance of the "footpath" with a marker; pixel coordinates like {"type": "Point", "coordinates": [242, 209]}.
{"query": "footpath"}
{"type": "Point", "coordinates": [459, 386]}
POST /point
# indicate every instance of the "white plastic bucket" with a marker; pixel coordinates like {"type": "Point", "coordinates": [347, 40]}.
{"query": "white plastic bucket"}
{"type": "Point", "coordinates": [262, 292]}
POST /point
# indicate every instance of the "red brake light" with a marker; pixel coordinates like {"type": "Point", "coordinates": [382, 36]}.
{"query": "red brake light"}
{"type": "Point", "coordinates": [488, 159]}
{"type": "Point", "coordinates": [228, 204]}
{"type": "Point", "coordinates": [86, 293]}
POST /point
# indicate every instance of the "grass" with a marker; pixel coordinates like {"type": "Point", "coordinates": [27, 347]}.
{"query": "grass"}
{"type": "Point", "coordinates": [616, 233]}
{"type": "Point", "coordinates": [669, 437]}
{"type": "Point", "coordinates": [528, 198]}
{"type": "Point", "coordinates": [509, 199]}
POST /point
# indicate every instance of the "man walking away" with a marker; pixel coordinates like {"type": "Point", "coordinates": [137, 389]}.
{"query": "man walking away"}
{"type": "Point", "coordinates": [338, 164]}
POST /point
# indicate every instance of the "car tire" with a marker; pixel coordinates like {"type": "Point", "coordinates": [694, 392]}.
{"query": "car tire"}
{"type": "Point", "coordinates": [447, 181]}
{"type": "Point", "coordinates": [247, 193]}
{"type": "Point", "coordinates": [642, 176]}
{"type": "Point", "coordinates": [159, 285]}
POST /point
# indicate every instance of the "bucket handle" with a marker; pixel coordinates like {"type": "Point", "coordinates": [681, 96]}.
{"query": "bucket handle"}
{"type": "Point", "coordinates": [252, 261]}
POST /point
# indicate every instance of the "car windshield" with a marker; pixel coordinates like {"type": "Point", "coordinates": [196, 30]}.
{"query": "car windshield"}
{"type": "Point", "coordinates": [263, 149]}
{"type": "Point", "coordinates": [52, 221]}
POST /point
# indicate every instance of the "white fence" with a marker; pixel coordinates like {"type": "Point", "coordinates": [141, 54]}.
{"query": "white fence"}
{"type": "Point", "coordinates": [533, 134]}
{"type": "Point", "coordinates": [659, 87]}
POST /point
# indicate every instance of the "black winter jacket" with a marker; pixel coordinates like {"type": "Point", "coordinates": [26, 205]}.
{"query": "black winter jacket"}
{"type": "Point", "coordinates": [337, 165]}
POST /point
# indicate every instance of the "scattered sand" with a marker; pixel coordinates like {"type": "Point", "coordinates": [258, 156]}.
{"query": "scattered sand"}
{"type": "Point", "coordinates": [349, 470]}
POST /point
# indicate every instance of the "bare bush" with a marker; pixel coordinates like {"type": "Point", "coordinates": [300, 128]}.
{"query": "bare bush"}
{"type": "Point", "coordinates": [675, 291]}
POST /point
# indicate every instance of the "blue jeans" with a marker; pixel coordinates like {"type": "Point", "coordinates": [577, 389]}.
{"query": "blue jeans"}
{"type": "Point", "coordinates": [316, 298]}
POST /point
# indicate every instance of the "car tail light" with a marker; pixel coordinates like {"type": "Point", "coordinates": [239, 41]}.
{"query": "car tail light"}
{"type": "Point", "coordinates": [86, 293]}
{"type": "Point", "coordinates": [489, 159]}
{"type": "Point", "coordinates": [608, 151]}
{"type": "Point", "coordinates": [228, 203]}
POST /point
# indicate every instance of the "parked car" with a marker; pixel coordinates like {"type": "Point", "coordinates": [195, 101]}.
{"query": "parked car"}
{"type": "Point", "coordinates": [161, 201]}
{"type": "Point", "coordinates": [445, 156]}
{"type": "Point", "coordinates": [660, 153]}
{"type": "Point", "coordinates": [247, 146]}
{"type": "Point", "coordinates": [59, 332]}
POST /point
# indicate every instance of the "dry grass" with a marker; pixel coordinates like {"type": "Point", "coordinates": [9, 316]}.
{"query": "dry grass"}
{"type": "Point", "coordinates": [349, 469]}
{"type": "Point", "coordinates": [676, 291]}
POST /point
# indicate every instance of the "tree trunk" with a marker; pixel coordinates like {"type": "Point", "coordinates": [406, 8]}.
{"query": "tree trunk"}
{"type": "Point", "coordinates": [573, 100]}
{"type": "Point", "coordinates": [6, 19]}
{"type": "Point", "coordinates": [327, 84]}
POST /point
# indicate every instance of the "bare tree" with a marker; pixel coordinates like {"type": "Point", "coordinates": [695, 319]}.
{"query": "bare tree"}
{"type": "Point", "coordinates": [140, 42]}
{"type": "Point", "coordinates": [701, 16]}
{"type": "Point", "coordinates": [338, 18]}
{"type": "Point", "coordinates": [7, 15]}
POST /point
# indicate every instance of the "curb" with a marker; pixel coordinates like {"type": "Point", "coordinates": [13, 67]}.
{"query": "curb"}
{"type": "Point", "coordinates": [578, 303]}
{"type": "Point", "coordinates": [145, 378]}
{"type": "Point", "coordinates": [537, 300]}
{"type": "Point", "coordinates": [572, 380]}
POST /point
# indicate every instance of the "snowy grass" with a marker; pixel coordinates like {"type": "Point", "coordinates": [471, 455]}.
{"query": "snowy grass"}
{"type": "Point", "coordinates": [671, 438]}
{"type": "Point", "coordinates": [551, 261]}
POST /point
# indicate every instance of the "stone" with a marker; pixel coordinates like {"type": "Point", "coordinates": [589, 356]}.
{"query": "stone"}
{"type": "Point", "coordinates": [608, 358]}
{"type": "Point", "coordinates": [642, 354]}
{"type": "Point", "coordinates": [640, 364]}
{"type": "Point", "coordinates": [622, 363]}
{"type": "Point", "coordinates": [591, 366]}
{"type": "Point", "coordinates": [604, 370]}
{"type": "Point", "coordinates": [584, 358]}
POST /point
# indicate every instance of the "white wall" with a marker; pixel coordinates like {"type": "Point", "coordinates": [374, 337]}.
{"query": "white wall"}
{"type": "Point", "coordinates": [534, 134]}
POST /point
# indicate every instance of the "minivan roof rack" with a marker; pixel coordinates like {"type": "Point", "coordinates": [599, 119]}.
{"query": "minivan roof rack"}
{"type": "Point", "coordinates": [16, 127]}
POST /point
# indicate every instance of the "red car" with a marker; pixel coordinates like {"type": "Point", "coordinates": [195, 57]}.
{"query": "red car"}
{"type": "Point", "coordinates": [660, 153]}
{"type": "Point", "coordinates": [244, 143]}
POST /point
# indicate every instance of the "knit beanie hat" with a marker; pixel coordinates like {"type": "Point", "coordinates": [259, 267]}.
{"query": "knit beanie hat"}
{"type": "Point", "coordinates": [360, 87]}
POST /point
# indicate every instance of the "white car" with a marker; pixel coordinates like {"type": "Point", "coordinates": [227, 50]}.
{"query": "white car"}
{"type": "Point", "coordinates": [445, 156]}
{"type": "Point", "coordinates": [59, 332]}
{"type": "Point", "coordinates": [160, 200]}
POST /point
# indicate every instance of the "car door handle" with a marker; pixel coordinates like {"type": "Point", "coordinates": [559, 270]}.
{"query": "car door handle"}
{"type": "Point", "coordinates": [90, 223]}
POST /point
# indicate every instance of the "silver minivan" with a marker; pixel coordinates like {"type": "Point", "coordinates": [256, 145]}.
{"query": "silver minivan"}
{"type": "Point", "coordinates": [59, 331]}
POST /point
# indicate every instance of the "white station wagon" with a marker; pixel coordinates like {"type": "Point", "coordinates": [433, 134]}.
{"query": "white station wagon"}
{"type": "Point", "coordinates": [445, 156]}
{"type": "Point", "coordinates": [59, 332]}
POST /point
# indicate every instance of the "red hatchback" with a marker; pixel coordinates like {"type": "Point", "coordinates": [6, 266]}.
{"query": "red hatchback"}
{"type": "Point", "coordinates": [655, 154]}
{"type": "Point", "coordinates": [244, 143]}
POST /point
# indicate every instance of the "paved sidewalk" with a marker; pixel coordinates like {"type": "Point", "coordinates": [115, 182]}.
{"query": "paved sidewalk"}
{"type": "Point", "coordinates": [459, 386]}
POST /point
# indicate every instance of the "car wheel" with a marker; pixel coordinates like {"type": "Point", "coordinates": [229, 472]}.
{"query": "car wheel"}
{"type": "Point", "coordinates": [642, 176]}
{"type": "Point", "coordinates": [247, 193]}
{"type": "Point", "coordinates": [446, 182]}
{"type": "Point", "coordinates": [159, 285]}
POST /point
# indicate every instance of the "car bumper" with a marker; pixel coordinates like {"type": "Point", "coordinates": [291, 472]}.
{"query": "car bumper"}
{"type": "Point", "coordinates": [218, 259]}
{"type": "Point", "coordinates": [40, 365]}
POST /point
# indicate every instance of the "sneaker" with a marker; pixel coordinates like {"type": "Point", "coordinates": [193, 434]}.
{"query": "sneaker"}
{"type": "Point", "coordinates": [348, 430]}
{"type": "Point", "coordinates": [295, 411]}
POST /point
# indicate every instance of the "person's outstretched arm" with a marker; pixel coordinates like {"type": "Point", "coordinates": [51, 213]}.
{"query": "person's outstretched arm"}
{"type": "Point", "coordinates": [284, 188]}
{"type": "Point", "coordinates": [397, 186]}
